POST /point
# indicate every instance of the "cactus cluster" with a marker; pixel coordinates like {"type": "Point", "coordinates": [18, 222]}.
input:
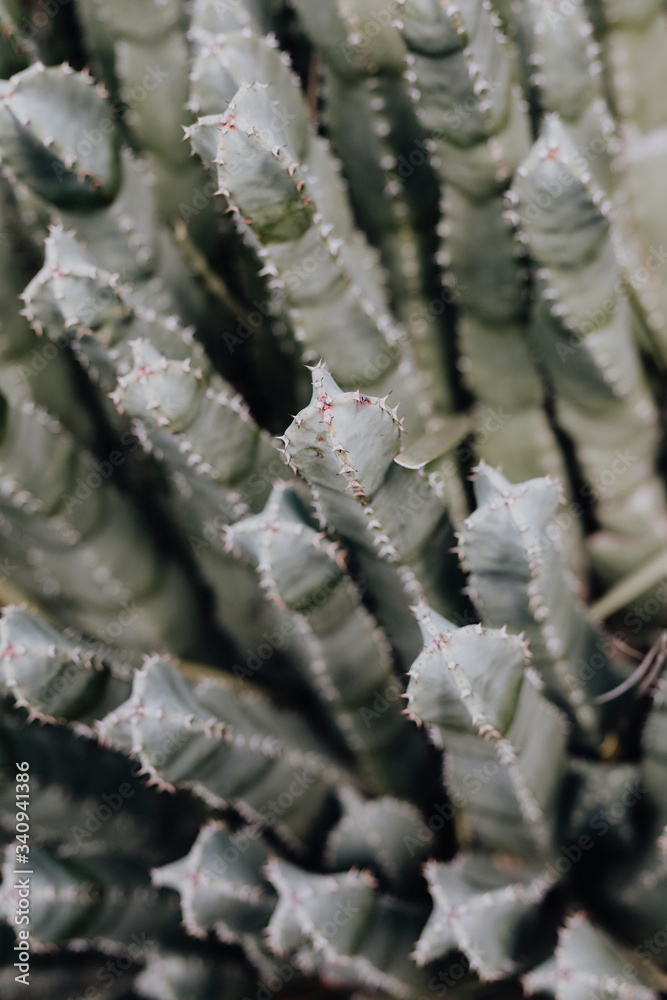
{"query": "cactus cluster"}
{"type": "Point", "coordinates": [333, 514]}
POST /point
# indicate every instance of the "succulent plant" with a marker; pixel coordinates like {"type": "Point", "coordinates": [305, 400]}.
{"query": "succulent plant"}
{"type": "Point", "coordinates": [333, 521]}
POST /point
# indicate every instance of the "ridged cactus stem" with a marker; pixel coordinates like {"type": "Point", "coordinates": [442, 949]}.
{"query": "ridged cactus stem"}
{"type": "Point", "coordinates": [470, 105]}
{"type": "Point", "coordinates": [472, 684]}
{"type": "Point", "coordinates": [583, 333]}
{"type": "Point", "coordinates": [234, 900]}
{"type": "Point", "coordinates": [54, 677]}
{"type": "Point", "coordinates": [43, 113]}
{"type": "Point", "coordinates": [212, 453]}
{"type": "Point", "coordinates": [74, 543]}
{"type": "Point", "coordinates": [108, 898]}
{"type": "Point", "coordinates": [403, 253]}
{"type": "Point", "coordinates": [231, 749]}
{"type": "Point", "coordinates": [518, 579]}
{"type": "Point", "coordinates": [144, 62]}
{"type": "Point", "coordinates": [371, 111]}
{"type": "Point", "coordinates": [481, 910]}
{"type": "Point", "coordinates": [386, 835]}
{"type": "Point", "coordinates": [369, 499]}
{"type": "Point", "coordinates": [339, 927]}
{"type": "Point", "coordinates": [350, 666]}
{"type": "Point", "coordinates": [587, 960]}
{"type": "Point", "coordinates": [633, 37]}
{"type": "Point", "coordinates": [201, 508]}
{"type": "Point", "coordinates": [282, 182]}
{"type": "Point", "coordinates": [567, 74]}
{"type": "Point", "coordinates": [29, 368]}
{"type": "Point", "coordinates": [73, 297]}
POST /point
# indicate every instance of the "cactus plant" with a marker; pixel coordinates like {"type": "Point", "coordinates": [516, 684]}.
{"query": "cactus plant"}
{"type": "Point", "coordinates": [333, 520]}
